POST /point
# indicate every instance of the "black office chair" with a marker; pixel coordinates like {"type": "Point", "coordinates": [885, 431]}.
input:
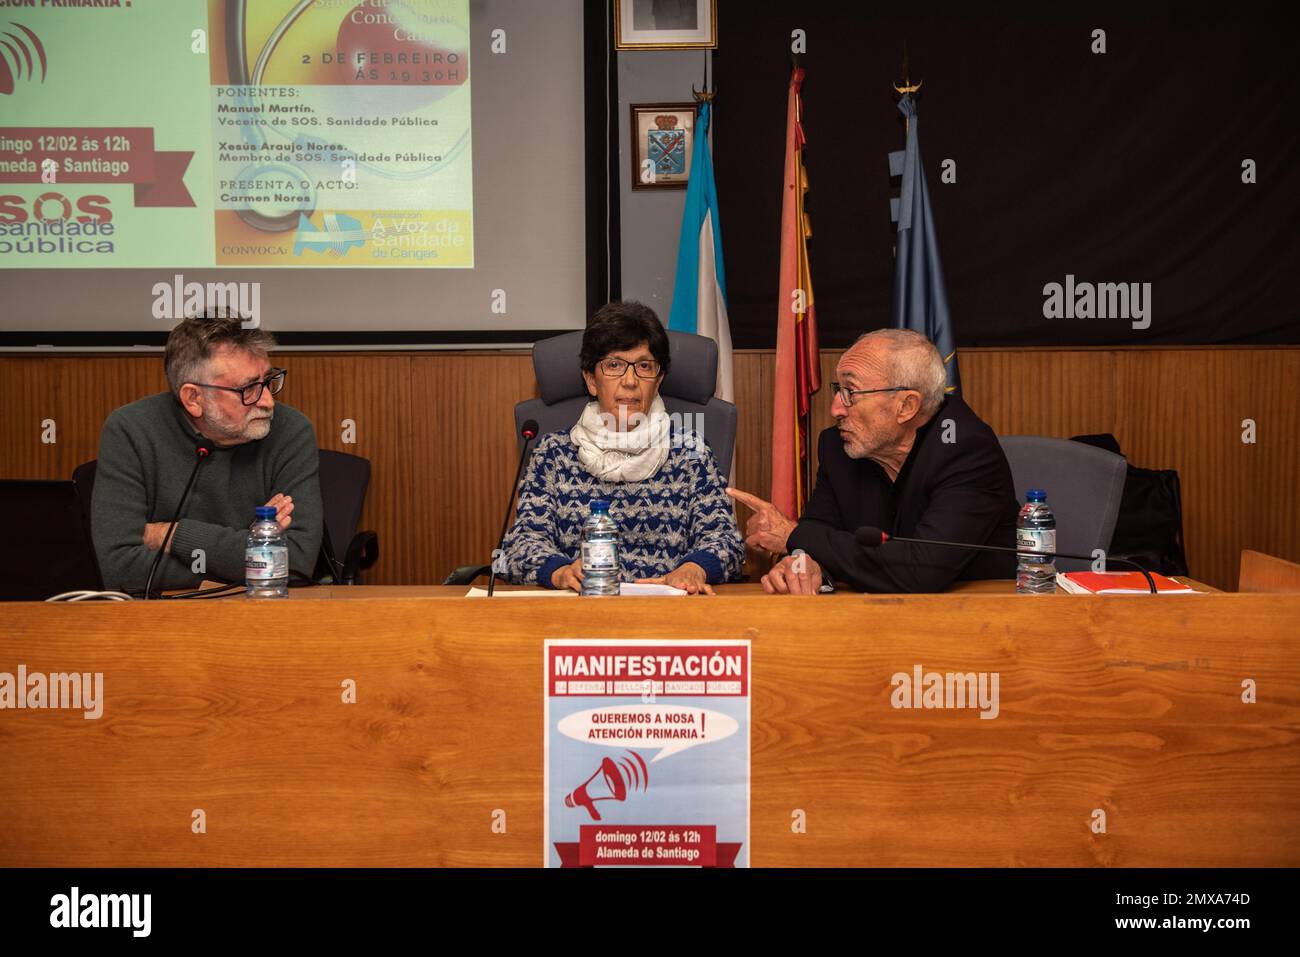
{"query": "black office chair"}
{"type": "Point", "coordinates": [1084, 486]}
{"type": "Point", "coordinates": [83, 477]}
{"type": "Point", "coordinates": [687, 389]}
{"type": "Point", "coordinates": [343, 482]}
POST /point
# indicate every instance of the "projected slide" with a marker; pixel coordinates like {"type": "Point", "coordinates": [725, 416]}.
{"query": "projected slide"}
{"type": "Point", "coordinates": [253, 133]}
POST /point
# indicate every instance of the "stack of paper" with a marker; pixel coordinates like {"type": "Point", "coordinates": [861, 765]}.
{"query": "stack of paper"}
{"type": "Point", "coordinates": [522, 593]}
{"type": "Point", "coordinates": [626, 588]}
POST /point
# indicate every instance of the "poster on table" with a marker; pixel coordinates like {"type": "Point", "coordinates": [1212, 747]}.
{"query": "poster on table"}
{"type": "Point", "coordinates": [647, 753]}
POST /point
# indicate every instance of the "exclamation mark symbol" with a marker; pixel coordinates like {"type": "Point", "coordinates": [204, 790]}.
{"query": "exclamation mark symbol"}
{"type": "Point", "coordinates": [701, 724]}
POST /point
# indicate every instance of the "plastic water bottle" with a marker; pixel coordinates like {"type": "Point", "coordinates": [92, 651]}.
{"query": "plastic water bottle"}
{"type": "Point", "coordinates": [266, 557]}
{"type": "Point", "coordinates": [1036, 529]}
{"type": "Point", "coordinates": [600, 565]}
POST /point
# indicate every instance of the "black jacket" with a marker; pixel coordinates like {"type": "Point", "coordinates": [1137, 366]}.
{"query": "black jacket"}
{"type": "Point", "coordinates": [958, 491]}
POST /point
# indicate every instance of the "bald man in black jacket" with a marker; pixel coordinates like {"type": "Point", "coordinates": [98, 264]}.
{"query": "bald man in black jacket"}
{"type": "Point", "coordinates": [904, 458]}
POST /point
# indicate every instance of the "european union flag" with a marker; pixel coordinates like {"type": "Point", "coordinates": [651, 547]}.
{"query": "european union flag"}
{"type": "Point", "coordinates": [920, 301]}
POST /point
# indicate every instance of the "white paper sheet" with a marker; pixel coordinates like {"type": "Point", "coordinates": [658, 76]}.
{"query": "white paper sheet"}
{"type": "Point", "coordinates": [632, 588]}
{"type": "Point", "coordinates": [522, 593]}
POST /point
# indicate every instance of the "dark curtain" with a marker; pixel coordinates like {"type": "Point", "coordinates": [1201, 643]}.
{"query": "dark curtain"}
{"type": "Point", "coordinates": [1118, 167]}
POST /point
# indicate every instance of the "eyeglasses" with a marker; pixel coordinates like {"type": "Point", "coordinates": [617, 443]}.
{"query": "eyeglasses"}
{"type": "Point", "coordinates": [617, 368]}
{"type": "Point", "coordinates": [846, 395]}
{"type": "Point", "coordinates": [252, 393]}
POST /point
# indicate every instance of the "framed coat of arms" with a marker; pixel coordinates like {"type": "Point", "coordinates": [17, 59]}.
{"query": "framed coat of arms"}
{"type": "Point", "coordinates": [663, 136]}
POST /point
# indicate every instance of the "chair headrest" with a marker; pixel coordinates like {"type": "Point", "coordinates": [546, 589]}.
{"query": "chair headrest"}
{"type": "Point", "coordinates": [692, 372]}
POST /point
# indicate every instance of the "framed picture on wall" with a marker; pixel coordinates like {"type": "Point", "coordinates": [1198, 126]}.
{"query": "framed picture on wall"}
{"type": "Point", "coordinates": [663, 136]}
{"type": "Point", "coordinates": [665, 24]}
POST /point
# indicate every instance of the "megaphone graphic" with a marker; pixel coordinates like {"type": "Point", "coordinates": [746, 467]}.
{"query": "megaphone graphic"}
{"type": "Point", "coordinates": [32, 44]}
{"type": "Point", "coordinates": [612, 786]}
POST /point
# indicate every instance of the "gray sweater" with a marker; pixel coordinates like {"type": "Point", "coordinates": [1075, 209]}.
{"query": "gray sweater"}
{"type": "Point", "coordinates": [146, 452]}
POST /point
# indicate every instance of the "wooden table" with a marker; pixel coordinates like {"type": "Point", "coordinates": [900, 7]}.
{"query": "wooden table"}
{"type": "Point", "coordinates": [1129, 707]}
{"type": "Point", "coordinates": [991, 587]}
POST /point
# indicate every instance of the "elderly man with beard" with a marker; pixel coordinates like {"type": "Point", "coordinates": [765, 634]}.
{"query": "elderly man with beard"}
{"type": "Point", "coordinates": [905, 458]}
{"type": "Point", "coordinates": [222, 389]}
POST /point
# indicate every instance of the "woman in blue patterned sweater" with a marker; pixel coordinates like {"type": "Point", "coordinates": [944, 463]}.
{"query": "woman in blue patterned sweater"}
{"type": "Point", "coordinates": [676, 524]}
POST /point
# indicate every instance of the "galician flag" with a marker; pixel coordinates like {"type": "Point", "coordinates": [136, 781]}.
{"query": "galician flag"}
{"type": "Point", "coordinates": [700, 292]}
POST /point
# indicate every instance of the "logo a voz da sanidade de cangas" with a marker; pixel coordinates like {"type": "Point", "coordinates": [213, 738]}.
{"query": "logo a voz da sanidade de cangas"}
{"type": "Point", "coordinates": [21, 53]}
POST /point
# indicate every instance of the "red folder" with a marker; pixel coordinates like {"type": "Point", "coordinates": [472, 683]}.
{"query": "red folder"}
{"type": "Point", "coordinates": [1124, 583]}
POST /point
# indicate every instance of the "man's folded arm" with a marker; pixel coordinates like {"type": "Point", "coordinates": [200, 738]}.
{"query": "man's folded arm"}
{"type": "Point", "coordinates": [119, 512]}
{"type": "Point", "coordinates": [221, 548]}
{"type": "Point", "coordinates": [299, 478]}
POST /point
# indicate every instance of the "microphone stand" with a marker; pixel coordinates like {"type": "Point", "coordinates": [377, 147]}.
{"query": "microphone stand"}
{"type": "Point", "coordinates": [202, 450]}
{"type": "Point", "coordinates": [529, 432]}
{"type": "Point", "coordinates": [1151, 582]}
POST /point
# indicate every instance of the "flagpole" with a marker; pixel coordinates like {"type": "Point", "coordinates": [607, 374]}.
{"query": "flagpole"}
{"type": "Point", "coordinates": [803, 416]}
{"type": "Point", "coordinates": [801, 271]}
{"type": "Point", "coordinates": [924, 309]}
{"type": "Point", "coordinates": [907, 87]}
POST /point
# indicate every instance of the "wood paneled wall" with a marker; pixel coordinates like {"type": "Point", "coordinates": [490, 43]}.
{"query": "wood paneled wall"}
{"type": "Point", "coordinates": [438, 428]}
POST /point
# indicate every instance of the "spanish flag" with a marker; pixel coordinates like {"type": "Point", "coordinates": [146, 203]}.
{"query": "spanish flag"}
{"type": "Point", "coordinates": [798, 365]}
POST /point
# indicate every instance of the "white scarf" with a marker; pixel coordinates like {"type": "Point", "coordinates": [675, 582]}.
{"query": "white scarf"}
{"type": "Point", "coordinates": [630, 456]}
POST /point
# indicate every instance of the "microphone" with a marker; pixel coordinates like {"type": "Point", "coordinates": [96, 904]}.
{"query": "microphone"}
{"type": "Point", "coordinates": [202, 449]}
{"type": "Point", "coordinates": [527, 432]}
{"type": "Point", "coordinates": [868, 536]}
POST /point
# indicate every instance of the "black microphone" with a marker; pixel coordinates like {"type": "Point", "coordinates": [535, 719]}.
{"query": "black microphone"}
{"type": "Point", "coordinates": [202, 449]}
{"type": "Point", "coordinates": [868, 536]}
{"type": "Point", "coordinates": [527, 432]}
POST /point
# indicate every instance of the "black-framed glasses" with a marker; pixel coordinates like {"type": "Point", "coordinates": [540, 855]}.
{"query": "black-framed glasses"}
{"type": "Point", "coordinates": [846, 396]}
{"type": "Point", "coordinates": [617, 368]}
{"type": "Point", "coordinates": [250, 394]}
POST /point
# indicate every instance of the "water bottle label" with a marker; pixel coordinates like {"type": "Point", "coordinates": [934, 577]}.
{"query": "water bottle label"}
{"type": "Point", "coordinates": [1037, 539]}
{"type": "Point", "coordinates": [599, 556]}
{"type": "Point", "coordinates": [267, 563]}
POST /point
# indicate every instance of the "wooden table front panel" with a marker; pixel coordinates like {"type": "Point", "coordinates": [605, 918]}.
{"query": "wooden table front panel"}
{"type": "Point", "coordinates": [1132, 706]}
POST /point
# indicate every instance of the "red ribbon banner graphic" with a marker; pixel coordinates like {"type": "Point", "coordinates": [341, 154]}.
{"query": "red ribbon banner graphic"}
{"type": "Point", "coordinates": [96, 154]}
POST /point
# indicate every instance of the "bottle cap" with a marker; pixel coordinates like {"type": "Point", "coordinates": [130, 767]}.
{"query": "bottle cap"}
{"type": "Point", "coordinates": [1036, 495]}
{"type": "Point", "coordinates": [266, 512]}
{"type": "Point", "coordinates": [599, 505]}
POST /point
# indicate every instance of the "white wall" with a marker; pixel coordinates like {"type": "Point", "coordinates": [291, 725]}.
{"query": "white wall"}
{"type": "Point", "coordinates": [651, 219]}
